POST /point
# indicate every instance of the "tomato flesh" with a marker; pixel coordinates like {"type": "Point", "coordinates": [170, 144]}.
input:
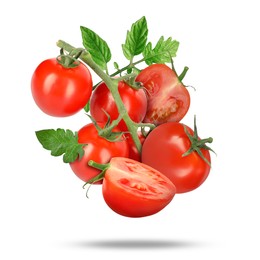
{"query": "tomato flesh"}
{"type": "Point", "coordinates": [134, 189]}
{"type": "Point", "coordinates": [168, 98]}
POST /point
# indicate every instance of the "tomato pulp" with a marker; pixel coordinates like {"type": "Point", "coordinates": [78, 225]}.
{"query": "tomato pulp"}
{"type": "Point", "coordinates": [134, 189]}
{"type": "Point", "coordinates": [168, 98]}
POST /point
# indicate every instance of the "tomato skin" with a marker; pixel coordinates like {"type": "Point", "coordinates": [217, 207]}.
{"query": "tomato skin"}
{"type": "Point", "coordinates": [97, 149]}
{"type": "Point", "coordinates": [60, 91]}
{"type": "Point", "coordinates": [135, 102]}
{"type": "Point", "coordinates": [168, 98]}
{"type": "Point", "coordinates": [163, 150]}
{"type": "Point", "coordinates": [133, 189]}
{"type": "Point", "coordinates": [133, 152]}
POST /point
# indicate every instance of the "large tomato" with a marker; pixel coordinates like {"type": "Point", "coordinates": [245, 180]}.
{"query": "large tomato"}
{"type": "Point", "coordinates": [135, 102]}
{"type": "Point", "coordinates": [168, 98]}
{"type": "Point", "coordinates": [133, 189]}
{"type": "Point", "coordinates": [163, 149]}
{"type": "Point", "coordinates": [60, 91]}
{"type": "Point", "coordinates": [98, 149]}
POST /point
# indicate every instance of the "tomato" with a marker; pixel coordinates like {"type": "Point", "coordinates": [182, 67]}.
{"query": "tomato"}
{"type": "Point", "coordinates": [168, 98]}
{"type": "Point", "coordinates": [60, 91]}
{"type": "Point", "coordinates": [98, 149]}
{"type": "Point", "coordinates": [135, 102]}
{"type": "Point", "coordinates": [134, 189]}
{"type": "Point", "coordinates": [163, 150]}
{"type": "Point", "coordinates": [133, 152]}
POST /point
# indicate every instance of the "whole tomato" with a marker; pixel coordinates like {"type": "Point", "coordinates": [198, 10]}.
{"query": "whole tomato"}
{"type": "Point", "coordinates": [60, 91]}
{"type": "Point", "coordinates": [102, 102]}
{"type": "Point", "coordinates": [133, 189]}
{"type": "Point", "coordinates": [133, 152]}
{"type": "Point", "coordinates": [98, 149]}
{"type": "Point", "coordinates": [165, 149]}
{"type": "Point", "coordinates": [168, 98]}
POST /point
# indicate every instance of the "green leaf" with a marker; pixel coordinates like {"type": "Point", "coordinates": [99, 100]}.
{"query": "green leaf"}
{"type": "Point", "coordinates": [60, 142]}
{"type": "Point", "coordinates": [136, 39]}
{"type": "Point", "coordinates": [163, 51]}
{"type": "Point", "coordinates": [96, 46]}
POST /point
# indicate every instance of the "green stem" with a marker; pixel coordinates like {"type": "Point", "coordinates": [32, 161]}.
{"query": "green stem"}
{"type": "Point", "coordinates": [182, 75]}
{"type": "Point", "coordinates": [130, 65]}
{"type": "Point", "coordinates": [112, 85]}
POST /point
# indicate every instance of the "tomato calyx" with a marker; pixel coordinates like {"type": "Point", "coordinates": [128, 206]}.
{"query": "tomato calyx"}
{"type": "Point", "coordinates": [107, 132]}
{"type": "Point", "coordinates": [99, 177]}
{"type": "Point", "coordinates": [197, 144]}
{"type": "Point", "coordinates": [69, 60]}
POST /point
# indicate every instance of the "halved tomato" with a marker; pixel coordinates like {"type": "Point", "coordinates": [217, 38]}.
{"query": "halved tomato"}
{"type": "Point", "coordinates": [134, 189]}
{"type": "Point", "coordinates": [168, 98]}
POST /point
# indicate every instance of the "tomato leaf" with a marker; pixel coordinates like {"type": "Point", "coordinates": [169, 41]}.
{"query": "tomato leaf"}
{"type": "Point", "coordinates": [60, 142]}
{"type": "Point", "coordinates": [96, 46]}
{"type": "Point", "coordinates": [163, 51]}
{"type": "Point", "coordinates": [136, 39]}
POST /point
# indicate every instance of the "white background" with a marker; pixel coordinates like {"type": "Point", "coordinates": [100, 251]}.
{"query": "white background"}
{"type": "Point", "coordinates": [44, 211]}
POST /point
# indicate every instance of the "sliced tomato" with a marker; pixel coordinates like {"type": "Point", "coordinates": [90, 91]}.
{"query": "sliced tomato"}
{"type": "Point", "coordinates": [134, 189]}
{"type": "Point", "coordinates": [168, 98]}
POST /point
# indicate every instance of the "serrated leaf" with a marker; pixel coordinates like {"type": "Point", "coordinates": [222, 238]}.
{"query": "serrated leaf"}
{"type": "Point", "coordinates": [136, 39]}
{"type": "Point", "coordinates": [96, 46]}
{"type": "Point", "coordinates": [61, 142]}
{"type": "Point", "coordinates": [163, 51]}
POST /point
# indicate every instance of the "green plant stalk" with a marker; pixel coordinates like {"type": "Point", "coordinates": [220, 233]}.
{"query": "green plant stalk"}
{"type": "Point", "coordinates": [112, 85]}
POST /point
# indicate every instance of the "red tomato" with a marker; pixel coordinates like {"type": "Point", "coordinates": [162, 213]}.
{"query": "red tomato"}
{"type": "Point", "coordinates": [134, 100]}
{"type": "Point", "coordinates": [163, 150]}
{"type": "Point", "coordinates": [168, 98]}
{"type": "Point", "coordinates": [97, 149]}
{"type": "Point", "coordinates": [60, 91]}
{"type": "Point", "coordinates": [133, 189]}
{"type": "Point", "coordinates": [133, 152]}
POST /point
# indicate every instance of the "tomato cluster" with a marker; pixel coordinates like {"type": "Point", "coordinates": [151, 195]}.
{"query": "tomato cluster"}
{"type": "Point", "coordinates": [173, 159]}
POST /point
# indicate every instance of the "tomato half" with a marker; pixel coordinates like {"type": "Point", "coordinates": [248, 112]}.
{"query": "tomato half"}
{"type": "Point", "coordinates": [168, 98]}
{"type": "Point", "coordinates": [135, 102]}
{"type": "Point", "coordinates": [163, 150]}
{"type": "Point", "coordinates": [60, 91]}
{"type": "Point", "coordinates": [98, 149]}
{"type": "Point", "coordinates": [134, 189]}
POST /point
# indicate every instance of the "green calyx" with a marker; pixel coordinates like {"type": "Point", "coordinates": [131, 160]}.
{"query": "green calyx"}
{"type": "Point", "coordinates": [99, 177]}
{"type": "Point", "coordinates": [198, 144]}
{"type": "Point", "coordinates": [107, 131]}
{"type": "Point", "coordinates": [69, 60]}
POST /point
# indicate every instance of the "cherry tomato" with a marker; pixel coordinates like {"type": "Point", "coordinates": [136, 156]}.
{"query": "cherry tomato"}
{"type": "Point", "coordinates": [98, 149]}
{"type": "Point", "coordinates": [133, 189]}
{"type": "Point", "coordinates": [163, 149]}
{"type": "Point", "coordinates": [60, 91]}
{"type": "Point", "coordinates": [134, 100]}
{"type": "Point", "coordinates": [133, 152]}
{"type": "Point", "coordinates": [168, 98]}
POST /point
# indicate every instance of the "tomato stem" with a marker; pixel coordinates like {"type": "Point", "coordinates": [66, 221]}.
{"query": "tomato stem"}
{"type": "Point", "coordinates": [182, 75]}
{"type": "Point", "coordinates": [101, 175]}
{"type": "Point", "coordinates": [112, 85]}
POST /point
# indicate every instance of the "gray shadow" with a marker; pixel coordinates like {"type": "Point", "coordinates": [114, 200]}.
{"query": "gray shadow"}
{"type": "Point", "coordinates": [136, 244]}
